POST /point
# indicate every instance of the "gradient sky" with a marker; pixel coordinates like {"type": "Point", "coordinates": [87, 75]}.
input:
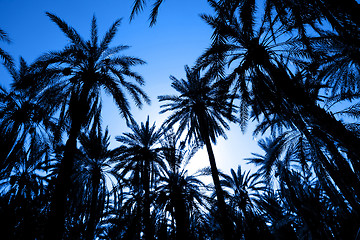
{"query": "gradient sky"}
{"type": "Point", "coordinates": [178, 38]}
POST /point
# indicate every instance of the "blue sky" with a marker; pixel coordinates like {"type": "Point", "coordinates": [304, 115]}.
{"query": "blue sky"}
{"type": "Point", "coordinates": [178, 38]}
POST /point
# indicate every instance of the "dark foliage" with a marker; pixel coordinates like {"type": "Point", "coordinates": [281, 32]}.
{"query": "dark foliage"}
{"type": "Point", "coordinates": [282, 64]}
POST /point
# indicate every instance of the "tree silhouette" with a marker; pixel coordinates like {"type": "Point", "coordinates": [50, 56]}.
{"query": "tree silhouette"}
{"type": "Point", "coordinates": [94, 174]}
{"type": "Point", "coordinates": [138, 156]}
{"type": "Point", "coordinates": [264, 81]}
{"type": "Point", "coordinates": [199, 110]}
{"type": "Point", "coordinates": [78, 72]}
{"type": "Point", "coordinates": [242, 191]}
{"type": "Point", "coordinates": [178, 193]}
{"type": "Point", "coordinates": [295, 71]}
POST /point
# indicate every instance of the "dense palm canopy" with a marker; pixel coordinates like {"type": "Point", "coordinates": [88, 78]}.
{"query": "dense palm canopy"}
{"type": "Point", "coordinates": [291, 67]}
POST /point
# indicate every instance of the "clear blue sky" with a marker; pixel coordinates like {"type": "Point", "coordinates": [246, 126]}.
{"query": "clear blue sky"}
{"type": "Point", "coordinates": [178, 38]}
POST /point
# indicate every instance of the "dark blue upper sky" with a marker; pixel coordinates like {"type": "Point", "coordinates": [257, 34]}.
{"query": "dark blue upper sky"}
{"type": "Point", "coordinates": [178, 38]}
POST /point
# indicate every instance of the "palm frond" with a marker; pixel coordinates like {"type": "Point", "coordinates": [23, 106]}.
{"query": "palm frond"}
{"type": "Point", "coordinates": [109, 35]}
{"type": "Point", "coordinates": [70, 32]}
{"type": "Point", "coordinates": [154, 12]}
{"type": "Point", "coordinates": [138, 6]}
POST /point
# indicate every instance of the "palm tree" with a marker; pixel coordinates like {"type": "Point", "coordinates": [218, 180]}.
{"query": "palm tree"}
{"type": "Point", "coordinates": [291, 162]}
{"type": "Point", "coordinates": [24, 117]}
{"type": "Point", "coordinates": [265, 82]}
{"type": "Point", "coordinates": [242, 191]}
{"type": "Point", "coordinates": [138, 157]}
{"type": "Point", "coordinates": [94, 175]}
{"type": "Point", "coordinates": [178, 193]}
{"type": "Point", "coordinates": [24, 188]}
{"type": "Point", "coordinates": [199, 110]}
{"type": "Point", "coordinates": [276, 214]}
{"type": "Point", "coordinates": [77, 73]}
{"type": "Point", "coordinates": [305, 197]}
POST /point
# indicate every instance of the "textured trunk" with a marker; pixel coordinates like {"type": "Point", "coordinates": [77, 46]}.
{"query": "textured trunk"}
{"type": "Point", "coordinates": [90, 231]}
{"type": "Point", "coordinates": [56, 227]}
{"type": "Point", "coordinates": [78, 112]}
{"type": "Point", "coordinates": [225, 223]}
{"type": "Point", "coordinates": [146, 214]}
{"type": "Point", "coordinates": [181, 216]}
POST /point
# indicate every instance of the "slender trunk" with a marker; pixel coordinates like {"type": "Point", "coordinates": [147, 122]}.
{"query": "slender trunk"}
{"type": "Point", "coordinates": [146, 211]}
{"type": "Point", "coordinates": [56, 224]}
{"type": "Point", "coordinates": [181, 215]}
{"type": "Point", "coordinates": [225, 223]}
{"type": "Point", "coordinates": [78, 111]}
{"type": "Point", "coordinates": [90, 231]}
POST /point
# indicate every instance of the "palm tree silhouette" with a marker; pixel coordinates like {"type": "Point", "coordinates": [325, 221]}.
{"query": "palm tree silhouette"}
{"type": "Point", "coordinates": [242, 190]}
{"type": "Point", "coordinates": [25, 190]}
{"type": "Point", "coordinates": [178, 193]}
{"type": "Point", "coordinates": [24, 118]}
{"type": "Point", "coordinates": [138, 156]}
{"type": "Point", "coordinates": [94, 173]}
{"type": "Point", "coordinates": [264, 81]}
{"type": "Point", "coordinates": [77, 74]}
{"type": "Point", "coordinates": [199, 110]}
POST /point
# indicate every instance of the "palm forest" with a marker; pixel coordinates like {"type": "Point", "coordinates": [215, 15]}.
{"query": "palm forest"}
{"type": "Point", "coordinates": [295, 74]}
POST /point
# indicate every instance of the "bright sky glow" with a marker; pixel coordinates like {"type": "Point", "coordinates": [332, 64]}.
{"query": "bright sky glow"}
{"type": "Point", "coordinates": [178, 38]}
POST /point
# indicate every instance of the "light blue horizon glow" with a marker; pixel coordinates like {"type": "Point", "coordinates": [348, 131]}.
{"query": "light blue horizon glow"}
{"type": "Point", "coordinates": [178, 39]}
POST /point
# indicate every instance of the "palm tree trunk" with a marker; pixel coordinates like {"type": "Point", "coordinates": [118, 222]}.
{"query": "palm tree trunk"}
{"type": "Point", "coordinates": [146, 211]}
{"type": "Point", "coordinates": [78, 112]}
{"type": "Point", "coordinates": [225, 223]}
{"type": "Point", "coordinates": [181, 216]}
{"type": "Point", "coordinates": [56, 224]}
{"type": "Point", "coordinates": [90, 231]}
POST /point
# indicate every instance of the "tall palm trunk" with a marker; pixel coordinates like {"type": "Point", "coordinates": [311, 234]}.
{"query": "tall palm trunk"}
{"type": "Point", "coordinates": [90, 230]}
{"type": "Point", "coordinates": [78, 112]}
{"type": "Point", "coordinates": [146, 211]}
{"type": "Point", "coordinates": [225, 223]}
{"type": "Point", "coordinates": [56, 224]}
{"type": "Point", "coordinates": [181, 215]}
